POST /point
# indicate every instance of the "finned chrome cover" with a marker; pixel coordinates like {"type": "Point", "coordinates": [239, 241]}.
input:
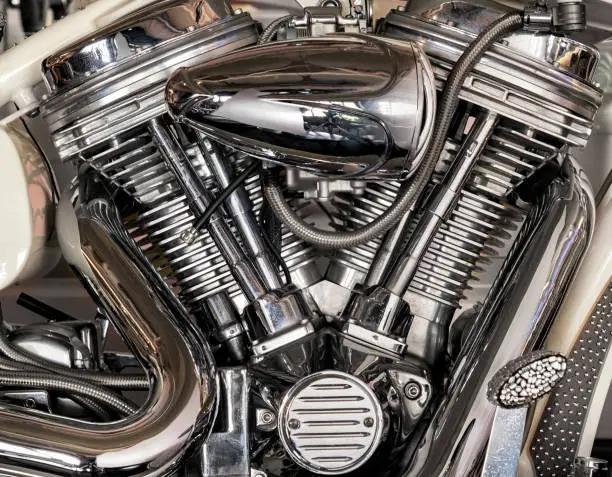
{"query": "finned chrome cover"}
{"type": "Point", "coordinates": [330, 422]}
{"type": "Point", "coordinates": [349, 105]}
{"type": "Point", "coordinates": [149, 27]}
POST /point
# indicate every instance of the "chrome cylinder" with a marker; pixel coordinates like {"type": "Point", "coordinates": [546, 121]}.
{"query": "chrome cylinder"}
{"type": "Point", "coordinates": [242, 214]}
{"type": "Point", "coordinates": [181, 404]}
{"type": "Point", "coordinates": [515, 318]}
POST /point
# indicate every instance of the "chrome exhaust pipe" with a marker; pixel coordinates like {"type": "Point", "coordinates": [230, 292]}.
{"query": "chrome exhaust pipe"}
{"type": "Point", "coordinates": [181, 405]}
{"type": "Point", "coordinates": [515, 319]}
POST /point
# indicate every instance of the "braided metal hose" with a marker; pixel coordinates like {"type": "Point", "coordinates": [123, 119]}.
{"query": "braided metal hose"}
{"type": "Point", "coordinates": [119, 381]}
{"type": "Point", "coordinates": [93, 406]}
{"type": "Point", "coordinates": [52, 382]}
{"type": "Point", "coordinates": [8, 365]}
{"type": "Point", "coordinates": [272, 28]}
{"type": "Point", "coordinates": [97, 408]}
{"type": "Point", "coordinates": [410, 191]}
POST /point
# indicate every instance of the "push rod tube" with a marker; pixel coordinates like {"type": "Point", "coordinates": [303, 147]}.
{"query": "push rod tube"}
{"type": "Point", "coordinates": [241, 210]}
{"type": "Point", "coordinates": [199, 198]}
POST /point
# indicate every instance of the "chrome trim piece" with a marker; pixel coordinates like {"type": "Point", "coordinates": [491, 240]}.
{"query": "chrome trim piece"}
{"type": "Point", "coordinates": [330, 422]}
{"type": "Point", "coordinates": [350, 105]}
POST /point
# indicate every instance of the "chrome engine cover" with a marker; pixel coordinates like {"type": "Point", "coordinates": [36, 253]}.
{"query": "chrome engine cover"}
{"type": "Point", "coordinates": [351, 360]}
{"type": "Point", "coordinates": [336, 412]}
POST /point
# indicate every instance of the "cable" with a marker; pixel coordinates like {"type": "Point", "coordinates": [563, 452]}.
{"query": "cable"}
{"type": "Point", "coordinates": [119, 381]}
{"type": "Point", "coordinates": [68, 385]}
{"type": "Point", "coordinates": [409, 192]}
{"type": "Point", "coordinates": [277, 256]}
{"type": "Point", "coordinates": [272, 28]}
{"type": "Point", "coordinates": [237, 182]}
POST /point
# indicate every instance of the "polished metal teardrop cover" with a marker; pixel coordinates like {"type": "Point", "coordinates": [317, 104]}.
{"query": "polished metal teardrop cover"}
{"type": "Point", "coordinates": [349, 105]}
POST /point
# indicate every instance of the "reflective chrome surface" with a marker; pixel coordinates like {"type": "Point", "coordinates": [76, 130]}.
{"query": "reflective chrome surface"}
{"type": "Point", "coordinates": [514, 79]}
{"type": "Point", "coordinates": [559, 51]}
{"type": "Point", "coordinates": [516, 314]}
{"type": "Point", "coordinates": [504, 447]}
{"type": "Point", "coordinates": [181, 405]}
{"type": "Point", "coordinates": [351, 106]}
{"type": "Point", "coordinates": [142, 30]}
{"type": "Point", "coordinates": [330, 422]}
{"type": "Point", "coordinates": [226, 451]}
{"type": "Point", "coordinates": [313, 381]}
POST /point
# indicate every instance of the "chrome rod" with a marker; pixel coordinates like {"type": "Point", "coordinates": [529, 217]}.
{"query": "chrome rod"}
{"type": "Point", "coordinates": [242, 214]}
{"type": "Point", "coordinates": [516, 315]}
{"type": "Point", "coordinates": [199, 198]}
{"type": "Point", "coordinates": [387, 251]}
{"type": "Point", "coordinates": [181, 405]}
{"type": "Point", "coordinates": [441, 203]}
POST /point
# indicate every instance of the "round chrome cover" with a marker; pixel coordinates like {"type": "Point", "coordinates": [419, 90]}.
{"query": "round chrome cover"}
{"type": "Point", "coordinates": [330, 422]}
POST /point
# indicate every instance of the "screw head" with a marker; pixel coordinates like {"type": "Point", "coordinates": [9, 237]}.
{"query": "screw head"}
{"type": "Point", "coordinates": [293, 424]}
{"type": "Point", "coordinates": [368, 422]}
{"type": "Point", "coordinates": [29, 403]}
{"type": "Point", "coordinates": [413, 390]}
{"type": "Point", "coordinates": [267, 417]}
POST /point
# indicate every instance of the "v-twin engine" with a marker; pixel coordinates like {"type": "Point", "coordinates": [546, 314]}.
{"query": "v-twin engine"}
{"type": "Point", "coordinates": [298, 216]}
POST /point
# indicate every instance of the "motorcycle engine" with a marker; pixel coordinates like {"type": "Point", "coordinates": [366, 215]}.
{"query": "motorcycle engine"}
{"type": "Point", "coordinates": [246, 164]}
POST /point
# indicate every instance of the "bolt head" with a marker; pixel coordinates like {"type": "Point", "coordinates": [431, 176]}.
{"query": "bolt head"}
{"type": "Point", "coordinates": [413, 390]}
{"type": "Point", "coordinates": [368, 422]}
{"type": "Point", "coordinates": [294, 424]}
{"type": "Point", "coordinates": [29, 403]}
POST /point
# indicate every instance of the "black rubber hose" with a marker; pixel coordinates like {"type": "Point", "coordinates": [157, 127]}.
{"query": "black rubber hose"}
{"type": "Point", "coordinates": [410, 191]}
{"type": "Point", "coordinates": [223, 196]}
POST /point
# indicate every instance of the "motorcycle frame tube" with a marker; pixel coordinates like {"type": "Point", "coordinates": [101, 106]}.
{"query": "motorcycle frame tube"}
{"type": "Point", "coordinates": [515, 318]}
{"type": "Point", "coordinates": [181, 405]}
{"type": "Point", "coordinates": [589, 285]}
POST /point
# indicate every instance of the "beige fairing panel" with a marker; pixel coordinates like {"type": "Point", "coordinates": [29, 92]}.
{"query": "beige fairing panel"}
{"type": "Point", "coordinates": [26, 208]}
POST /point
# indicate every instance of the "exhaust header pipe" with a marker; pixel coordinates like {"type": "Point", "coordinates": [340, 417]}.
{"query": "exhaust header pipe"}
{"type": "Point", "coordinates": [181, 405]}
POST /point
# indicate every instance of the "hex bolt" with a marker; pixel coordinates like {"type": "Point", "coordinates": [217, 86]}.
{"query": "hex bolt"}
{"type": "Point", "coordinates": [368, 422]}
{"type": "Point", "coordinates": [412, 390]}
